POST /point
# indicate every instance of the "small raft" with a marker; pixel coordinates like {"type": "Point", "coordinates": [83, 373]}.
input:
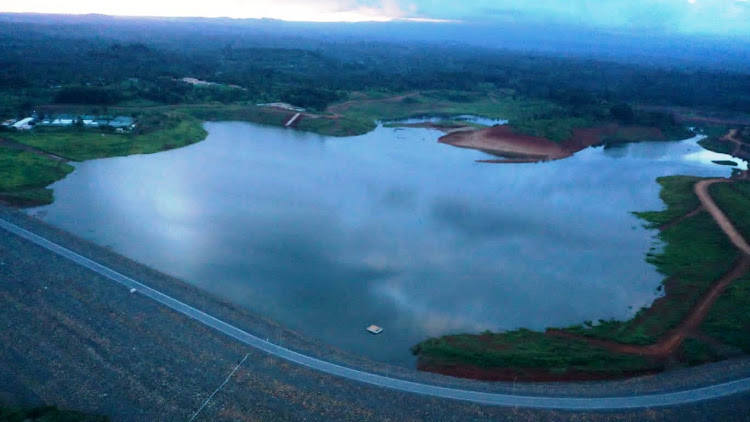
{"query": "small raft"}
{"type": "Point", "coordinates": [374, 329]}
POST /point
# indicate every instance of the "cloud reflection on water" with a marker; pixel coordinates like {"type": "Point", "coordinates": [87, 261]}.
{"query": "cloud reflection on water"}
{"type": "Point", "coordinates": [328, 235]}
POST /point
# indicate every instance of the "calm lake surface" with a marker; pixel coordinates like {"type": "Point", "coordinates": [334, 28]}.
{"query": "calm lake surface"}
{"type": "Point", "coordinates": [328, 235]}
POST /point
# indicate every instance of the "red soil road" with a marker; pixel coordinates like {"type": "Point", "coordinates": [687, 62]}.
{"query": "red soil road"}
{"type": "Point", "coordinates": [682, 218]}
{"type": "Point", "coordinates": [701, 189]}
{"type": "Point", "coordinates": [731, 136]}
{"type": "Point", "coordinates": [674, 338]}
{"type": "Point", "coordinates": [667, 345]}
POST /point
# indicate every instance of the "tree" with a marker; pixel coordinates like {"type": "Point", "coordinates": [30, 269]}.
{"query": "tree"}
{"type": "Point", "coordinates": [623, 113]}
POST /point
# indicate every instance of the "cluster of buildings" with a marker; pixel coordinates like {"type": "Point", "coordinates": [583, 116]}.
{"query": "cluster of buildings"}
{"type": "Point", "coordinates": [120, 124]}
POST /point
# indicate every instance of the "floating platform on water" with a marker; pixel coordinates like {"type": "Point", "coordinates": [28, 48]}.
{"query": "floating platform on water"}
{"type": "Point", "coordinates": [374, 329]}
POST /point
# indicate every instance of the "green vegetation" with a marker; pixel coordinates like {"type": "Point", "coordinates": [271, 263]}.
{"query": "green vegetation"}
{"type": "Point", "coordinates": [729, 320]}
{"type": "Point", "coordinates": [729, 163]}
{"type": "Point", "coordinates": [678, 196]}
{"type": "Point", "coordinates": [156, 132]}
{"type": "Point", "coordinates": [713, 141]}
{"type": "Point", "coordinates": [442, 103]}
{"type": "Point", "coordinates": [694, 253]}
{"type": "Point", "coordinates": [695, 352]}
{"type": "Point", "coordinates": [734, 200]}
{"type": "Point", "coordinates": [335, 127]}
{"type": "Point", "coordinates": [248, 113]}
{"type": "Point", "coordinates": [555, 129]}
{"type": "Point", "coordinates": [46, 414]}
{"type": "Point", "coordinates": [23, 176]}
{"type": "Point", "coordinates": [528, 351]}
{"type": "Point", "coordinates": [343, 126]}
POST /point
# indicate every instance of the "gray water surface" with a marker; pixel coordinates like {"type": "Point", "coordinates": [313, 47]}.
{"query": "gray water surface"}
{"type": "Point", "coordinates": [328, 235]}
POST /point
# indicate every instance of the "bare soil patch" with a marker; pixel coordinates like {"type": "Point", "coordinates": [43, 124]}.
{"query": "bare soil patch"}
{"type": "Point", "coordinates": [504, 141]}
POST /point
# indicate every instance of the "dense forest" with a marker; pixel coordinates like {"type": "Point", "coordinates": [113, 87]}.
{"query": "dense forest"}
{"type": "Point", "coordinates": [103, 62]}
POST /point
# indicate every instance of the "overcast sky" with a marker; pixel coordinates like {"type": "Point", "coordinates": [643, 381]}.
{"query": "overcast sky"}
{"type": "Point", "coordinates": [731, 17]}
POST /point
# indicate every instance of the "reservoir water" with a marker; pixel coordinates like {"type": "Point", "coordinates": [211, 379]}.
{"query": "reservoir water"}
{"type": "Point", "coordinates": [328, 235]}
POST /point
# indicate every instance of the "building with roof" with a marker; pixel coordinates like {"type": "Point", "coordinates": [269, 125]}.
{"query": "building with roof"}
{"type": "Point", "coordinates": [24, 124]}
{"type": "Point", "coordinates": [122, 122]}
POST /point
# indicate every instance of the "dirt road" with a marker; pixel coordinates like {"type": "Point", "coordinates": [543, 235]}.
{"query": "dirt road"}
{"type": "Point", "coordinates": [701, 189]}
{"type": "Point", "coordinates": [731, 136]}
{"type": "Point", "coordinates": [669, 343]}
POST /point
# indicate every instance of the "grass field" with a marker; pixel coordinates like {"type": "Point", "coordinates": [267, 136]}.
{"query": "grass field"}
{"type": "Point", "coordinates": [528, 116]}
{"type": "Point", "coordinates": [713, 141]}
{"type": "Point", "coordinates": [729, 320]}
{"type": "Point", "coordinates": [554, 129]}
{"type": "Point", "coordinates": [691, 254]}
{"type": "Point", "coordinates": [263, 115]}
{"type": "Point", "coordinates": [359, 113]}
{"type": "Point", "coordinates": [734, 200]}
{"type": "Point", "coordinates": [174, 130]}
{"type": "Point", "coordinates": [442, 103]}
{"type": "Point", "coordinates": [24, 175]}
{"type": "Point", "coordinates": [695, 253]}
{"type": "Point", "coordinates": [678, 196]}
{"type": "Point", "coordinates": [528, 351]}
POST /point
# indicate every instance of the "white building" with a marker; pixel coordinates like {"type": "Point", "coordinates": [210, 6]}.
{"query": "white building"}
{"type": "Point", "coordinates": [24, 124]}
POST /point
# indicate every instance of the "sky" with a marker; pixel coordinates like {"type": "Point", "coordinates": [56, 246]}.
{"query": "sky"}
{"type": "Point", "coordinates": [721, 17]}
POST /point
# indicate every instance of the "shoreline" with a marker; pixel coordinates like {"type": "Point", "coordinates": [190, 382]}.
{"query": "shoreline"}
{"type": "Point", "coordinates": [513, 147]}
{"type": "Point", "coordinates": [490, 356]}
{"type": "Point", "coordinates": [668, 381]}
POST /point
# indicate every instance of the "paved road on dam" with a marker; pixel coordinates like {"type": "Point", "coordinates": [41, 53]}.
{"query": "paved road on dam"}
{"type": "Point", "coordinates": [541, 402]}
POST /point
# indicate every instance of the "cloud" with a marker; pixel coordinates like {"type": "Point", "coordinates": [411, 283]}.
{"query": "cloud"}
{"type": "Point", "coordinates": [682, 16]}
{"type": "Point", "coordinates": [730, 17]}
{"type": "Point", "coordinates": [293, 10]}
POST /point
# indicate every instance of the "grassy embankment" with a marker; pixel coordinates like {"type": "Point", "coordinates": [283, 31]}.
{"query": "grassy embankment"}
{"type": "Point", "coordinates": [167, 127]}
{"type": "Point", "coordinates": [714, 141]}
{"type": "Point", "coordinates": [358, 114]}
{"type": "Point", "coordinates": [366, 108]}
{"type": "Point", "coordinates": [528, 116]}
{"type": "Point", "coordinates": [24, 175]}
{"type": "Point", "coordinates": [694, 253]}
{"type": "Point", "coordinates": [155, 133]}
{"type": "Point", "coordinates": [729, 320]}
{"type": "Point", "coordinates": [275, 117]}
